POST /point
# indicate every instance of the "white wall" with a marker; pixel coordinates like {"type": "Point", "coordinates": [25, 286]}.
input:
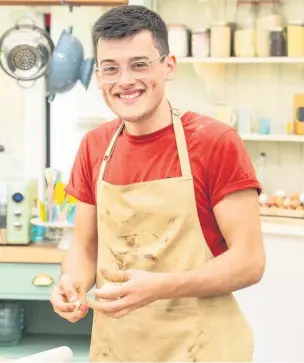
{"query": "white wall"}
{"type": "Point", "coordinates": [68, 109]}
{"type": "Point", "coordinates": [22, 121]}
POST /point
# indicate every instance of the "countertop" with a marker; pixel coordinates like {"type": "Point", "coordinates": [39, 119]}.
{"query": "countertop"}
{"type": "Point", "coordinates": [33, 253]}
{"type": "Point", "coordinates": [49, 253]}
{"type": "Point", "coordinates": [279, 226]}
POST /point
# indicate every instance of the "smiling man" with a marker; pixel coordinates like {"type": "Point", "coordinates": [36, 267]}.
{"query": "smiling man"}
{"type": "Point", "coordinates": [168, 212]}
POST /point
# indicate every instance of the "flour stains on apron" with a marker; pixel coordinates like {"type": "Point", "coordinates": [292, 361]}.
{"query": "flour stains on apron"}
{"type": "Point", "coordinates": [145, 226]}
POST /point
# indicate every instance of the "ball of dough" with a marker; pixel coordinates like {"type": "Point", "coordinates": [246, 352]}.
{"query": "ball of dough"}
{"type": "Point", "coordinates": [77, 305]}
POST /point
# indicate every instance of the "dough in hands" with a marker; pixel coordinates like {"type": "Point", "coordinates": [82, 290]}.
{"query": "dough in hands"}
{"type": "Point", "coordinates": [77, 305]}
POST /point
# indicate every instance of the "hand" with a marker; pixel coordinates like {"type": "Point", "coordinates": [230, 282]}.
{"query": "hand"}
{"type": "Point", "coordinates": [134, 290]}
{"type": "Point", "coordinates": [65, 300]}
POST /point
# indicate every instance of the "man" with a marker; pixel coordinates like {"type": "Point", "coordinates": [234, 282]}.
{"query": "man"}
{"type": "Point", "coordinates": [168, 213]}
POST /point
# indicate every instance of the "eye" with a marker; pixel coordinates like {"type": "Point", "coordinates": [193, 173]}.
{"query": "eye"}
{"type": "Point", "coordinates": [110, 70]}
{"type": "Point", "coordinates": [140, 66]}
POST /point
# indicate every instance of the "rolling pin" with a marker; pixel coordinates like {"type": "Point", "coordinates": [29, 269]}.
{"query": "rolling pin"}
{"type": "Point", "coordinates": [58, 355]}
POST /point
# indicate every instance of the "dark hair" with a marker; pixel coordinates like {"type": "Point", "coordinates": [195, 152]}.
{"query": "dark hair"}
{"type": "Point", "coordinates": [128, 20]}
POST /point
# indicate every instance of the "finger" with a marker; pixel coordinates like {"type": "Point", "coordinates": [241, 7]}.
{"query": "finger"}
{"type": "Point", "coordinates": [82, 296]}
{"type": "Point", "coordinates": [60, 305]}
{"type": "Point", "coordinates": [115, 276]}
{"type": "Point", "coordinates": [83, 307]}
{"type": "Point", "coordinates": [110, 292]}
{"type": "Point", "coordinates": [106, 307]}
{"type": "Point", "coordinates": [74, 316]}
{"type": "Point", "coordinates": [69, 290]}
{"type": "Point", "coordinates": [119, 314]}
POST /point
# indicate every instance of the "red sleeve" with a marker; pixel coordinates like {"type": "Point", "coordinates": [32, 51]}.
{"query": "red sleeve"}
{"type": "Point", "coordinates": [230, 168]}
{"type": "Point", "coordinates": [80, 184]}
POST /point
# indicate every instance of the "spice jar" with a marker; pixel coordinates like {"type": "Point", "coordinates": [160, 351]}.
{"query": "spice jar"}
{"type": "Point", "coordinates": [277, 42]}
{"type": "Point", "coordinates": [295, 39]}
{"type": "Point", "coordinates": [201, 43]}
{"type": "Point", "coordinates": [179, 40]}
{"type": "Point", "coordinates": [245, 34]}
{"type": "Point", "coordinates": [220, 41]}
{"type": "Point", "coordinates": [268, 18]}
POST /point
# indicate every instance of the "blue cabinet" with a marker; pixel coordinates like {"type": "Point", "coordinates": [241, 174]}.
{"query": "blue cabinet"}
{"type": "Point", "coordinates": [31, 284]}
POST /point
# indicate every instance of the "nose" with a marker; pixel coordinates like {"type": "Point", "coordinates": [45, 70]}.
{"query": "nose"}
{"type": "Point", "coordinates": [126, 77]}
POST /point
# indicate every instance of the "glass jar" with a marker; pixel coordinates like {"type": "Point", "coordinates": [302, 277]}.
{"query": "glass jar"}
{"type": "Point", "coordinates": [269, 17]}
{"type": "Point", "coordinates": [179, 40]}
{"type": "Point", "coordinates": [220, 40]}
{"type": "Point", "coordinates": [277, 42]}
{"type": "Point", "coordinates": [295, 38]}
{"type": "Point", "coordinates": [245, 34]}
{"type": "Point", "coordinates": [201, 43]}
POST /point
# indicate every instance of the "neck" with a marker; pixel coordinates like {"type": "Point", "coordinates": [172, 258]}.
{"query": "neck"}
{"type": "Point", "coordinates": [155, 121]}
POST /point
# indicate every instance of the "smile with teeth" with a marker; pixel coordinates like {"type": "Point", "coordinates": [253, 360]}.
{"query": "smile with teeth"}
{"type": "Point", "coordinates": [131, 96]}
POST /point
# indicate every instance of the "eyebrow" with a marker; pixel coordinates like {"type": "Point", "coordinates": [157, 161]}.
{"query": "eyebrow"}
{"type": "Point", "coordinates": [132, 59]}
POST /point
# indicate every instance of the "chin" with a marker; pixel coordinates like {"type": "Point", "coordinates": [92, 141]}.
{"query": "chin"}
{"type": "Point", "coordinates": [131, 113]}
{"type": "Point", "coordinates": [131, 117]}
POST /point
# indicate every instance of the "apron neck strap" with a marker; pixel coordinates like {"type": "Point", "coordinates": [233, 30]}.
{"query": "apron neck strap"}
{"type": "Point", "coordinates": [180, 143]}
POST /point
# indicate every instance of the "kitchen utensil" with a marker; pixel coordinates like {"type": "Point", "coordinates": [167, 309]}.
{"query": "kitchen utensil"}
{"type": "Point", "coordinates": [245, 121]}
{"type": "Point", "coordinates": [68, 65]}
{"type": "Point", "coordinates": [25, 51]}
{"type": "Point", "coordinates": [59, 193]}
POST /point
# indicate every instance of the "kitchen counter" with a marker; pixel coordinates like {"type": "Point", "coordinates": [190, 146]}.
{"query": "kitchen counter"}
{"type": "Point", "coordinates": [283, 227]}
{"type": "Point", "coordinates": [34, 269]}
{"type": "Point", "coordinates": [49, 253]}
{"type": "Point", "coordinates": [33, 253]}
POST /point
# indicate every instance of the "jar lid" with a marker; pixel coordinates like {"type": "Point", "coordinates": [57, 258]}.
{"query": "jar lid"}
{"type": "Point", "coordinates": [177, 25]}
{"type": "Point", "coordinates": [263, 2]}
{"type": "Point", "coordinates": [220, 23]}
{"type": "Point", "coordinates": [252, 2]}
{"type": "Point", "coordinates": [276, 29]}
{"type": "Point", "coordinates": [296, 22]}
{"type": "Point", "coordinates": [201, 30]}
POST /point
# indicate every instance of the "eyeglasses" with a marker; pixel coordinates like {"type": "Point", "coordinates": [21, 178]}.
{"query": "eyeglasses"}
{"type": "Point", "coordinates": [138, 70]}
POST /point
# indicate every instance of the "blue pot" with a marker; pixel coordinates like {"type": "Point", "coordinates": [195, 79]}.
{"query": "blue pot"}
{"type": "Point", "coordinates": [67, 66]}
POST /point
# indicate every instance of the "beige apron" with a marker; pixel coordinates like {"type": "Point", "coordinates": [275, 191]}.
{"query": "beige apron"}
{"type": "Point", "coordinates": [154, 226]}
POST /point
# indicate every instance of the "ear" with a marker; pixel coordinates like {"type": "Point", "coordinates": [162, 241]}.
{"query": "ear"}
{"type": "Point", "coordinates": [171, 67]}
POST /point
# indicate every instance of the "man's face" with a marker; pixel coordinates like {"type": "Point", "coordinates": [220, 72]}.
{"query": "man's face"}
{"type": "Point", "coordinates": [136, 90]}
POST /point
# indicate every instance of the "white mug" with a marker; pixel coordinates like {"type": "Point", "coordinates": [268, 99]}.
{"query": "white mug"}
{"type": "Point", "coordinates": [245, 121]}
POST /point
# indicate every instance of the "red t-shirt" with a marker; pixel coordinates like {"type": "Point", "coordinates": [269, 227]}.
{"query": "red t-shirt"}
{"type": "Point", "coordinates": [219, 160]}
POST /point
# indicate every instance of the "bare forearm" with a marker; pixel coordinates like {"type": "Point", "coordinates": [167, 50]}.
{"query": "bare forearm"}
{"type": "Point", "coordinates": [80, 264]}
{"type": "Point", "coordinates": [224, 274]}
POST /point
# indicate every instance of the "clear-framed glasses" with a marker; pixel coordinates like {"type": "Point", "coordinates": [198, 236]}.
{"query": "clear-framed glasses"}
{"type": "Point", "coordinates": [138, 70]}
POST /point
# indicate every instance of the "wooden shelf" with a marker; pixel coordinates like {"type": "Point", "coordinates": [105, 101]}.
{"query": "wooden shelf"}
{"type": "Point", "coordinates": [33, 253]}
{"type": "Point", "coordinates": [239, 60]}
{"type": "Point", "coordinates": [63, 2]}
{"type": "Point", "coordinates": [273, 138]}
{"type": "Point", "coordinates": [35, 343]}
